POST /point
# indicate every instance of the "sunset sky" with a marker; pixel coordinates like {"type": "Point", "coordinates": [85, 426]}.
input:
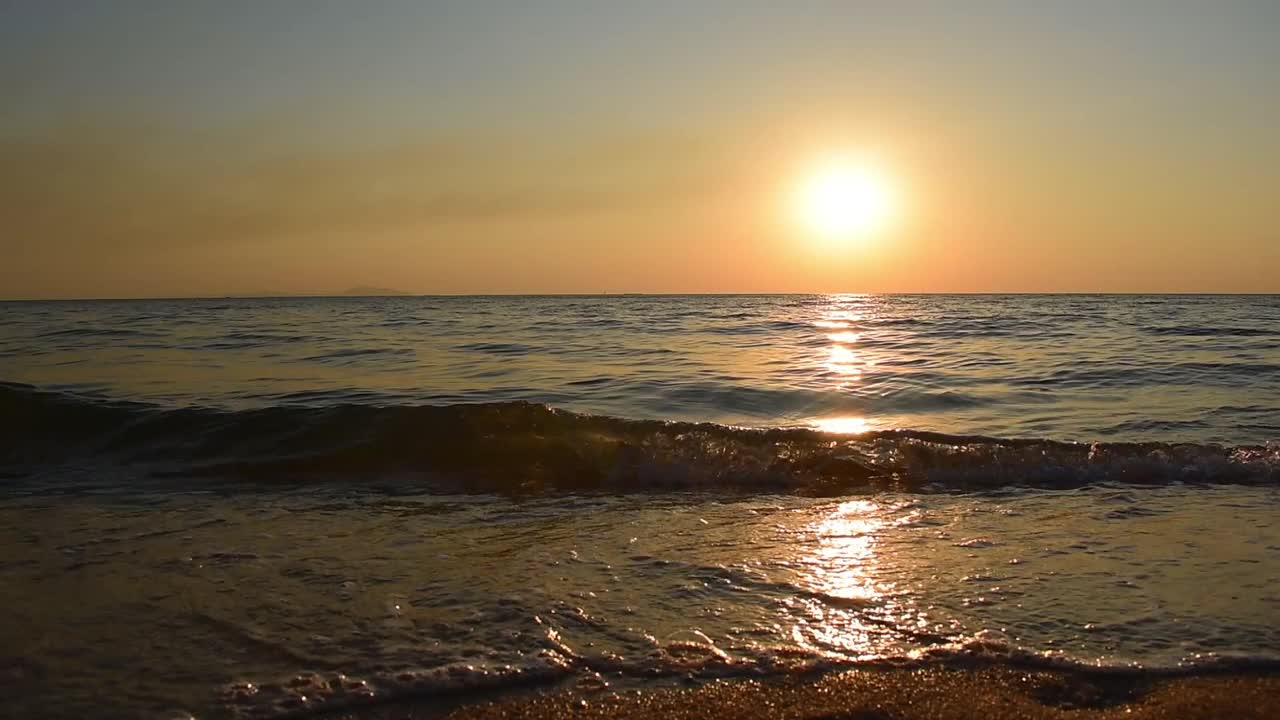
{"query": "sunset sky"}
{"type": "Point", "coordinates": [181, 148]}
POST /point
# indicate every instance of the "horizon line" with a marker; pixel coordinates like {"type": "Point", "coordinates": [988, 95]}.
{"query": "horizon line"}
{"type": "Point", "coordinates": [331, 296]}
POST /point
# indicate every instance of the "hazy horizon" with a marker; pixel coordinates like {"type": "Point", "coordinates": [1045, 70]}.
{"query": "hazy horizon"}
{"type": "Point", "coordinates": [392, 293]}
{"type": "Point", "coordinates": [159, 150]}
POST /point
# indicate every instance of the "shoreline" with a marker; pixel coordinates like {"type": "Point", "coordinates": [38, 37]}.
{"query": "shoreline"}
{"type": "Point", "coordinates": [946, 693]}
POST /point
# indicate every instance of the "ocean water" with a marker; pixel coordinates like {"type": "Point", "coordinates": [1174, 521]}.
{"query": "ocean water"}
{"type": "Point", "coordinates": [263, 508]}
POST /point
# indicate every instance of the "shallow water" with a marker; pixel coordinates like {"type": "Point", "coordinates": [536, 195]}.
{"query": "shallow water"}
{"type": "Point", "coordinates": [146, 605]}
{"type": "Point", "coordinates": [257, 508]}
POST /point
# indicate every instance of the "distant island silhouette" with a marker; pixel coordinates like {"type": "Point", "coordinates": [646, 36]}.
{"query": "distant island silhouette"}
{"type": "Point", "coordinates": [358, 291]}
{"type": "Point", "coordinates": [368, 290]}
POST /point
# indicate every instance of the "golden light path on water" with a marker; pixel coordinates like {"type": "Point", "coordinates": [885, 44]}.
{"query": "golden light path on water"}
{"type": "Point", "coordinates": [842, 566]}
{"type": "Point", "coordinates": [843, 361]}
{"type": "Point", "coordinates": [850, 425]}
{"type": "Point", "coordinates": [854, 611]}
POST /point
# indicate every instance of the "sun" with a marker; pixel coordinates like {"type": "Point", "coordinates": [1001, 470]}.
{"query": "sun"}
{"type": "Point", "coordinates": [842, 200]}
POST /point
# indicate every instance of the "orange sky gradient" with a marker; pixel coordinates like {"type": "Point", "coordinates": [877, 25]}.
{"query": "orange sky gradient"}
{"type": "Point", "coordinates": [1140, 168]}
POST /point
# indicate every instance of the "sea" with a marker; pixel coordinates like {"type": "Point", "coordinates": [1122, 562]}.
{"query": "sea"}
{"type": "Point", "coordinates": [286, 507]}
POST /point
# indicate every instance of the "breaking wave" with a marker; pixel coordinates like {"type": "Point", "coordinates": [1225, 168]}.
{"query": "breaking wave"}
{"type": "Point", "coordinates": [516, 447]}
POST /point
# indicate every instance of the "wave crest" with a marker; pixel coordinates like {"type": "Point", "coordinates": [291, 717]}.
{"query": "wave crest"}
{"type": "Point", "coordinates": [520, 447]}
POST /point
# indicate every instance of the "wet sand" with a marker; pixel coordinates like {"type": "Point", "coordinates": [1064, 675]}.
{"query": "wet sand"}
{"type": "Point", "coordinates": [907, 694]}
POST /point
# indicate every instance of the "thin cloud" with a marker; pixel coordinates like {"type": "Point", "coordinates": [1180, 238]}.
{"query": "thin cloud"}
{"type": "Point", "coordinates": [127, 191]}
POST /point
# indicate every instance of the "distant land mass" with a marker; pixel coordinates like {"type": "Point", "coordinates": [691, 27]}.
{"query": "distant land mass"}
{"type": "Point", "coordinates": [361, 290]}
{"type": "Point", "coordinates": [260, 294]}
{"type": "Point", "coordinates": [366, 290]}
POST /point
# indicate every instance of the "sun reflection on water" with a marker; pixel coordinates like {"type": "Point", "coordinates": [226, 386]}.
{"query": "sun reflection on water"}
{"type": "Point", "coordinates": [843, 425]}
{"type": "Point", "coordinates": [844, 316]}
{"type": "Point", "coordinates": [842, 570]}
{"type": "Point", "coordinates": [843, 361]}
{"type": "Point", "coordinates": [846, 543]}
{"type": "Point", "coordinates": [854, 609]}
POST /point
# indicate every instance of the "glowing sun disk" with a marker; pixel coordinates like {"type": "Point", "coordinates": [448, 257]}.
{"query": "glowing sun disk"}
{"type": "Point", "coordinates": [841, 201]}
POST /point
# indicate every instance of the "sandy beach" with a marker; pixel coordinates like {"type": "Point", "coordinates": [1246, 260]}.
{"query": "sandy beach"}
{"type": "Point", "coordinates": [908, 694]}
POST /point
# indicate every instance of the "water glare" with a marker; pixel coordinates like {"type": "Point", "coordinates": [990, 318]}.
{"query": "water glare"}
{"type": "Point", "coordinates": [851, 610]}
{"type": "Point", "coordinates": [843, 425]}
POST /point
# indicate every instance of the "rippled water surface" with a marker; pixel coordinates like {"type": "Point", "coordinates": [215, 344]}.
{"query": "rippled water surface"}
{"type": "Point", "coordinates": [229, 604]}
{"type": "Point", "coordinates": [273, 508]}
{"type": "Point", "coordinates": [1187, 368]}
